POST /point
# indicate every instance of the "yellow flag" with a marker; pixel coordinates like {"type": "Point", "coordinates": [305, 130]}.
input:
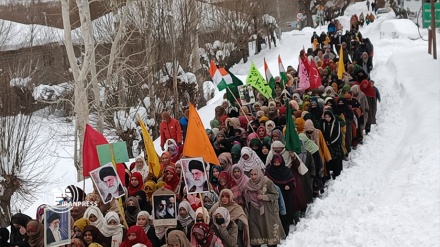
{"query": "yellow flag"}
{"type": "Point", "coordinates": [341, 67]}
{"type": "Point", "coordinates": [153, 159]}
{"type": "Point", "coordinates": [256, 80]}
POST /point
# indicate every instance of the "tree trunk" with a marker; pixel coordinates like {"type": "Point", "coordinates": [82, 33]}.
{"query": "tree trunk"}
{"type": "Point", "coordinates": [81, 107]}
{"type": "Point", "coordinates": [194, 31]}
{"type": "Point", "coordinates": [10, 185]}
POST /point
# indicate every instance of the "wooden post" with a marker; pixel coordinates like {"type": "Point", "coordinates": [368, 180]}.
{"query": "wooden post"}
{"type": "Point", "coordinates": [433, 35]}
{"type": "Point", "coordinates": [429, 41]}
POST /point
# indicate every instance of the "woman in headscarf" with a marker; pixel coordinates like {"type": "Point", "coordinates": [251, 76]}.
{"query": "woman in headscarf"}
{"type": "Point", "coordinates": [369, 91]}
{"type": "Point", "coordinates": [166, 160]}
{"type": "Point", "coordinates": [171, 178]}
{"type": "Point", "coordinates": [144, 203]}
{"type": "Point", "coordinates": [94, 215]}
{"type": "Point", "coordinates": [261, 199]}
{"type": "Point", "coordinates": [344, 111]}
{"type": "Point", "coordinates": [78, 227]}
{"type": "Point", "coordinates": [40, 213]}
{"type": "Point", "coordinates": [141, 167]}
{"type": "Point", "coordinates": [91, 234]}
{"type": "Point", "coordinates": [277, 135]}
{"type": "Point", "coordinates": [362, 99]}
{"type": "Point", "coordinates": [35, 233]}
{"type": "Point", "coordinates": [236, 213]}
{"type": "Point", "coordinates": [225, 182]}
{"type": "Point", "coordinates": [248, 159]}
{"type": "Point", "coordinates": [18, 228]}
{"type": "Point", "coordinates": [281, 176]}
{"type": "Point", "coordinates": [332, 133]}
{"type": "Point", "coordinates": [143, 220]}
{"type": "Point", "coordinates": [225, 160]}
{"type": "Point", "coordinates": [77, 212]}
{"type": "Point", "coordinates": [209, 198]}
{"type": "Point", "coordinates": [218, 138]}
{"type": "Point", "coordinates": [185, 218]}
{"type": "Point", "coordinates": [202, 215]}
{"type": "Point", "coordinates": [131, 210]}
{"type": "Point", "coordinates": [136, 235]}
{"type": "Point", "coordinates": [173, 149]}
{"type": "Point", "coordinates": [149, 188]}
{"type": "Point", "coordinates": [265, 149]}
{"type": "Point", "coordinates": [135, 183]}
{"type": "Point", "coordinates": [112, 230]}
{"type": "Point", "coordinates": [262, 134]}
{"type": "Point", "coordinates": [178, 238]}
{"type": "Point", "coordinates": [214, 171]}
{"type": "Point", "coordinates": [202, 236]}
{"type": "Point", "coordinates": [225, 228]}
{"type": "Point", "coordinates": [256, 145]}
{"type": "Point", "coordinates": [270, 126]}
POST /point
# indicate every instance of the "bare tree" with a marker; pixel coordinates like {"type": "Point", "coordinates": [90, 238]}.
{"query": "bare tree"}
{"type": "Point", "coordinates": [24, 168]}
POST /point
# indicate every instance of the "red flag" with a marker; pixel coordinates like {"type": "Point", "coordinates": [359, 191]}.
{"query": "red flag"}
{"type": "Point", "coordinates": [314, 76]}
{"type": "Point", "coordinates": [92, 138]}
{"type": "Point", "coordinates": [305, 60]}
{"type": "Point", "coordinates": [120, 169]}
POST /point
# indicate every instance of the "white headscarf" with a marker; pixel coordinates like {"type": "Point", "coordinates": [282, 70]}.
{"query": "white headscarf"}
{"type": "Point", "coordinates": [253, 159]}
{"type": "Point", "coordinates": [144, 171]}
{"type": "Point", "coordinates": [114, 231]}
{"type": "Point", "coordinates": [188, 208]}
{"type": "Point", "coordinates": [224, 213]}
{"type": "Point", "coordinates": [147, 216]}
{"type": "Point", "coordinates": [99, 223]}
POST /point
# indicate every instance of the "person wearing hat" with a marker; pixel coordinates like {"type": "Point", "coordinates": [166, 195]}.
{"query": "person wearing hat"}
{"type": "Point", "coordinates": [198, 176]}
{"type": "Point", "coordinates": [53, 232]}
{"type": "Point", "coordinates": [113, 187]}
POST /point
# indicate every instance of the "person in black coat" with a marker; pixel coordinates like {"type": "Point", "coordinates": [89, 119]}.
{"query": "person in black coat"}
{"type": "Point", "coordinates": [18, 228]}
{"type": "Point", "coordinates": [4, 237]}
{"type": "Point", "coordinates": [331, 130]}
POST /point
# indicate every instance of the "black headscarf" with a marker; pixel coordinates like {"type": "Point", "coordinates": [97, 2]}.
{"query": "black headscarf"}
{"type": "Point", "coordinates": [279, 174]}
{"type": "Point", "coordinates": [342, 107]}
{"type": "Point", "coordinates": [22, 220]}
{"type": "Point", "coordinates": [142, 200]}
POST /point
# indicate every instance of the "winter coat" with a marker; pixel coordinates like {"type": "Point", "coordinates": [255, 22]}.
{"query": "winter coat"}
{"type": "Point", "coordinates": [170, 130]}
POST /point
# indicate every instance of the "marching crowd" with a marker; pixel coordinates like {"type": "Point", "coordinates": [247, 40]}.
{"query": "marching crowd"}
{"type": "Point", "coordinates": [260, 187]}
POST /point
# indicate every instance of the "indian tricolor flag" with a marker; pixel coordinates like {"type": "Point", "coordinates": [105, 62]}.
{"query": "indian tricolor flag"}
{"type": "Point", "coordinates": [269, 78]}
{"type": "Point", "coordinates": [283, 74]}
{"type": "Point", "coordinates": [220, 76]}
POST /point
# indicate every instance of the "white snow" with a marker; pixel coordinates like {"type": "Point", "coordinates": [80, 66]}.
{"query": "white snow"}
{"type": "Point", "coordinates": [388, 193]}
{"type": "Point", "coordinates": [399, 29]}
{"type": "Point", "coordinates": [50, 93]}
{"type": "Point", "coordinates": [19, 82]}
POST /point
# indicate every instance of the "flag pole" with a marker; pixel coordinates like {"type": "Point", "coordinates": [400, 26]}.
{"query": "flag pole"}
{"type": "Point", "coordinates": [244, 113]}
{"type": "Point", "coordinates": [121, 207]}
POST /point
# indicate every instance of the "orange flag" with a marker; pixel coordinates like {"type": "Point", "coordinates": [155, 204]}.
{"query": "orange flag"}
{"type": "Point", "coordinates": [197, 143]}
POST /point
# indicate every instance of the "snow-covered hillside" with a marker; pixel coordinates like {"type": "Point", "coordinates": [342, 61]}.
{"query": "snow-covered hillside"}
{"type": "Point", "coordinates": [388, 193]}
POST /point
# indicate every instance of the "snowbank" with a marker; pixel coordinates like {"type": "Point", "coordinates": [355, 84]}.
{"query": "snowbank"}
{"type": "Point", "coordinates": [399, 29]}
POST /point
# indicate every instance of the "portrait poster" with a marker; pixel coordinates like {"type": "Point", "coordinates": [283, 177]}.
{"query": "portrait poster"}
{"type": "Point", "coordinates": [107, 182]}
{"type": "Point", "coordinates": [194, 174]}
{"type": "Point", "coordinates": [164, 207]}
{"type": "Point", "coordinates": [57, 226]}
{"type": "Point", "coordinates": [247, 96]}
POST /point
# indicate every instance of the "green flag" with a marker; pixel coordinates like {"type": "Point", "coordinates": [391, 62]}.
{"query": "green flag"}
{"type": "Point", "coordinates": [233, 88]}
{"type": "Point", "coordinates": [293, 143]}
{"type": "Point", "coordinates": [283, 73]}
{"type": "Point", "coordinates": [256, 80]}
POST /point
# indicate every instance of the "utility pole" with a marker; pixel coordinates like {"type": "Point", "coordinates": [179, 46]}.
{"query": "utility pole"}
{"type": "Point", "coordinates": [433, 30]}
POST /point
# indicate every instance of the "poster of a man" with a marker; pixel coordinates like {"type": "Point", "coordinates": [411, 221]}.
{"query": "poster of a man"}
{"type": "Point", "coordinates": [195, 175]}
{"type": "Point", "coordinates": [57, 227]}
{"type": "Point", "coordinates": [108, 183]}
{"type": "Point", "coordinates": [164, 208]}
{"type": "Point", "coordinates": [246, 94]}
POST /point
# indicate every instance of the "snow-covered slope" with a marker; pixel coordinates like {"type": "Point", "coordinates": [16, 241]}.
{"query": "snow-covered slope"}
{"type": "Point", "coordinates": [388, 193]}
